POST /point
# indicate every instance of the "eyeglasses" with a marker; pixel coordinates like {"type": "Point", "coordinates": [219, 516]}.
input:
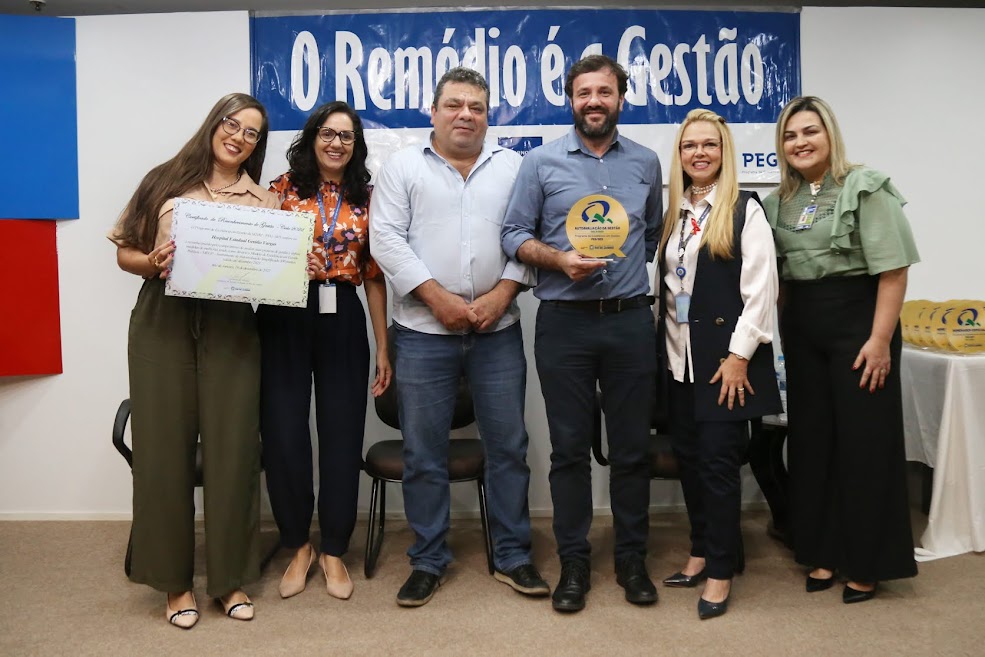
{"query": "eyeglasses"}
{"type": "Point", "coordinates": [690, 147]}
{"type": "Point", "coordinates": [232, 127]}
{"type": "Point", "coordinates": [328, 135]}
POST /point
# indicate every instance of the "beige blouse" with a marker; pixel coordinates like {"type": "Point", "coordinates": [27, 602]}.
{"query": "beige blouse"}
{"type": "Point", "coordinates": [245, 192]}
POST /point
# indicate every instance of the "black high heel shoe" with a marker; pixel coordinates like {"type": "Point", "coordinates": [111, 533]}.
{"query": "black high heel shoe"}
{"type": "Point", "coordinates": [681, 581]}
{"type": "Point", "coordinates": [708, 610]}
{"type": "Point", "coordinates": [815, 584]}
{"type": "Point", "coordinates": [850, 595]}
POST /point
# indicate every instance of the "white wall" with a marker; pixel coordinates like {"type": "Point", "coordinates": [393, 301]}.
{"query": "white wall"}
{"type": "Point", "coordinates": [145, 83]}
{"type": "Point", "coordinates": [906, 87]}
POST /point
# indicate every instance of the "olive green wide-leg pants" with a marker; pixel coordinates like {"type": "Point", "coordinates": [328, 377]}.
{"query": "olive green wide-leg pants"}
{"type": "Point", "coordinates": [194, 372]}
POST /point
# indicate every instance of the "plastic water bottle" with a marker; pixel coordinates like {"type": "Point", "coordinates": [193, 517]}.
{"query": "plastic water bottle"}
{"type": "Point", "coordinates": [781, 380]}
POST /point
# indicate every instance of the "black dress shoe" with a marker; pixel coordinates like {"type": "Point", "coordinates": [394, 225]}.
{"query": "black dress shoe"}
{"type": "Point", "coordinates": [681, 581]}
{"type": "Point", "coordinates": [850, 595]}
{"type": "Point", "coordinates": [631, 575]}
{"type": "Point", "coordinates": [418, 589]}
{"type": "Point", "coordinates": [708, 610]}
{"type": "Point", "coordinates": [815, 584]}
{"type": "Point", "coordinates": [525, 579]}
{"type": "Point", "coordinates": [569, 594]}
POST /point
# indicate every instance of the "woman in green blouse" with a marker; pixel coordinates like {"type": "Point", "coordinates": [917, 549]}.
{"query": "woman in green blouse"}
{"type": "Point", "coordinates": [844, 246]}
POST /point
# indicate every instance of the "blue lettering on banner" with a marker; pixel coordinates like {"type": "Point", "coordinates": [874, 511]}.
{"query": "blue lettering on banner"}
{"type": "Point", "coordinates": [758, 160]}
{"type": "Point", "coordinates": [742, 65]}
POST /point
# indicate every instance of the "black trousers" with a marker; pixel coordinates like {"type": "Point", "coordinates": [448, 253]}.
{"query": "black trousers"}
{"type": "Point", "coordinates": [296, 344]}
{"type": "Point", "coordinates": [849, 504]}
{"type": "Point", "coordinates": [576, 350]}
{"type": "Point", "coordinates": [710, 456]}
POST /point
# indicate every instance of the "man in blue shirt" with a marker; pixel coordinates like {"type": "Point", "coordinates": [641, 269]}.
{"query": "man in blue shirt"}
{"type": "Point", "coordinates": [599, 191]}
{"type": "Point", "coordinates": [435, 226]}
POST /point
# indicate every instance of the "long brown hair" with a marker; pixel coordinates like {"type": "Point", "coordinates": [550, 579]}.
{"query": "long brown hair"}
{"type": "Point", "coordinates": [719, 228]}
{"type": "Point", "coordinates": [191, 166]}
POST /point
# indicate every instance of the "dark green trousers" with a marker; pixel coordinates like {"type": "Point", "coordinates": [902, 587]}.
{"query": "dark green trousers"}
{"type": "Point", "coordinates": [194, 374]}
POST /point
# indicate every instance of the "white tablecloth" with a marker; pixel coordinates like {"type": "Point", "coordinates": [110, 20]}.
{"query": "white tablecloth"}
{"type": "Point", "coordinates": [944, 425]}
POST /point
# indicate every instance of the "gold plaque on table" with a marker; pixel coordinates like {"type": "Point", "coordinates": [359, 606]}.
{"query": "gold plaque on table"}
{"type": "Point", "coordinates": [966, 327]}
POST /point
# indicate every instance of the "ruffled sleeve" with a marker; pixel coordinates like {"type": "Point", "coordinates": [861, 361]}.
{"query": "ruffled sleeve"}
{"type": "Point", "coordinates": [860, 181]}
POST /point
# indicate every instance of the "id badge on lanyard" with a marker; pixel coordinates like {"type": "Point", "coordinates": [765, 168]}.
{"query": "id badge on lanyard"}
{"type": "Point", "coordinates": [682, 300]}
{"type": "Point", "coordinates": [327, 301]}
{"type": "Point", "coordinates": [806, 220]}
{"type": "Point", "coordinates": [682, 303]}
{"type": "Point", "coordinates": [327, 297]}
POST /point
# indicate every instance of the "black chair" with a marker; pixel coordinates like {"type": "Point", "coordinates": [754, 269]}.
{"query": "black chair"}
{"type": "Point", "coordinates": [663, 461]}
{"type": "Point", "coordinates": [384, 463]}
{"type": "Point", "coordinates": [119, 442]}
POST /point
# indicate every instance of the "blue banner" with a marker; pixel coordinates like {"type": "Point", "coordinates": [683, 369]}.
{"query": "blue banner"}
{"type": "Point", "coordinates": [39, 159]}
{"type": "Point", "coordinates": [742, 65]}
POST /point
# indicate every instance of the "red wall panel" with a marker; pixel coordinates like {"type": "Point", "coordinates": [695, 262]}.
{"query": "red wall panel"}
{"type": "Point", "coordinates": [30, 328]}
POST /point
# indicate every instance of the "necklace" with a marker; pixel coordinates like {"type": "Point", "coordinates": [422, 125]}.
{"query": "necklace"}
{"type": "Point", "coordinates": [703, 190]}
{"type": "Point", "coordinates": [816, 189]}
{"type": "Point", "coordinates": [216, 191]}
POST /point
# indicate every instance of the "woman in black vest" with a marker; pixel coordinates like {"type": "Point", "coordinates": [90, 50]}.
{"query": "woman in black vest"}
{"type": "Point", "coordinates": [718, 286]}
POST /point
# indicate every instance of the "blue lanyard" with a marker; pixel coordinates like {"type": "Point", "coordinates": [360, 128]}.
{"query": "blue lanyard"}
{"type": "Point", "coordinates": [682, 243]}
{"type": "Point", "coordinates": [328, 232]}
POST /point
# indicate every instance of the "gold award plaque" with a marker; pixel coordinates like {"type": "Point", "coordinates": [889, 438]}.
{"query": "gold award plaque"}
{"type": "Point", "coordinates": [598, 226]}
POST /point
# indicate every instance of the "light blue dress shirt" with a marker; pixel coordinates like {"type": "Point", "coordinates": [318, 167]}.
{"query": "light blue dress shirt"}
{"type": "Point", "coordinates": [426, 222]}
{"type": "Point", "coordinates": [553, 178]}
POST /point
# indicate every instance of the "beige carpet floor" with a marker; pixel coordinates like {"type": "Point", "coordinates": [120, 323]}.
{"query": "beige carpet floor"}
{"type": "Point", "coordinates": [63, 592]}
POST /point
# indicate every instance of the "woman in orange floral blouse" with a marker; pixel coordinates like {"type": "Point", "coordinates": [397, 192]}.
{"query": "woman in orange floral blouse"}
{"type": "Point", "coordinates": [327, 340]}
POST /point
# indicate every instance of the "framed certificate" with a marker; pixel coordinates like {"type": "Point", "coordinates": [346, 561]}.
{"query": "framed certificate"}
{"type": "Point", "coordinates": [228, 252]}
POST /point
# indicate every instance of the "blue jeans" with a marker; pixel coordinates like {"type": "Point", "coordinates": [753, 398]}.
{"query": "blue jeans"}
{"type": "Point", "coordinates": [428, 369]}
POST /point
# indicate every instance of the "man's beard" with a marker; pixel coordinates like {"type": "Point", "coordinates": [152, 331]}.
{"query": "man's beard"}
{"type": "Point", "coordinates": [603, 129]}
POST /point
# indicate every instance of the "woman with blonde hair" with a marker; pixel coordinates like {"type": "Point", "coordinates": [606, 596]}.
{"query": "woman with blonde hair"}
{"type": "Point", "coordinates": [718, 286]}
{"type": "Point", "coordinates": [845, 247]}
{"type": "Point", "coordinates": [195, 373]}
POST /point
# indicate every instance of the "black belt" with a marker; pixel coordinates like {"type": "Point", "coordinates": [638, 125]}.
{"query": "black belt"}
{"type": "Point", "coordinates": [604, 306]}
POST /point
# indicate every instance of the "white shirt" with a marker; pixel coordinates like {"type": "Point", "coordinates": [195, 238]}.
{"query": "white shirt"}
{"type": "Point", "coordinates": [758, 285]}
{"type": "Point", "coordinates": [426, 222]}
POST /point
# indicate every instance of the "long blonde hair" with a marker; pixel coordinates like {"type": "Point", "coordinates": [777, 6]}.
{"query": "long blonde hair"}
{"type": "Point", "coordinates": [790, 178]}
{"type": "Point", "coordinates": [717, 234]}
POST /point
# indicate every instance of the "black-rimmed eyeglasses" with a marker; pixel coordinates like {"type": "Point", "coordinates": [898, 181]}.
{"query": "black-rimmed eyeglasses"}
{"type": "Point", "coordinates": [232, 127]}
{"type": "Point", "coordinates": [328, 135]}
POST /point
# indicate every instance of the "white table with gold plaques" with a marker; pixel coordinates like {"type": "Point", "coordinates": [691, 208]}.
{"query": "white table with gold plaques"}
{"type": "Point", "coordinates": [944, 427]}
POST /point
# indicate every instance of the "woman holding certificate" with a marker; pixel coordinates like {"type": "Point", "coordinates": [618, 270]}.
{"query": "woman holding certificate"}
{"type": "Point", "coordinates": [845, 247]}
{"type": "Point", "coordinates": [327, 341]}
{"type": "Point", "coordinates": [194, 373]}
{"type": "Point", "coordinates": [718, 285]}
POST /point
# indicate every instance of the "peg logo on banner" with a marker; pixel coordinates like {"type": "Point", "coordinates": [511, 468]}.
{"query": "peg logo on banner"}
{"type": "Point", "coordinates": [742, 65]}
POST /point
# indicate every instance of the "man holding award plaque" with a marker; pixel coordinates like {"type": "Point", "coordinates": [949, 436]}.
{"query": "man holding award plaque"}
{"type": "Point", "coordinates": [586, 211]}
{"type": "Point", "coordinates": [434, 230]}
